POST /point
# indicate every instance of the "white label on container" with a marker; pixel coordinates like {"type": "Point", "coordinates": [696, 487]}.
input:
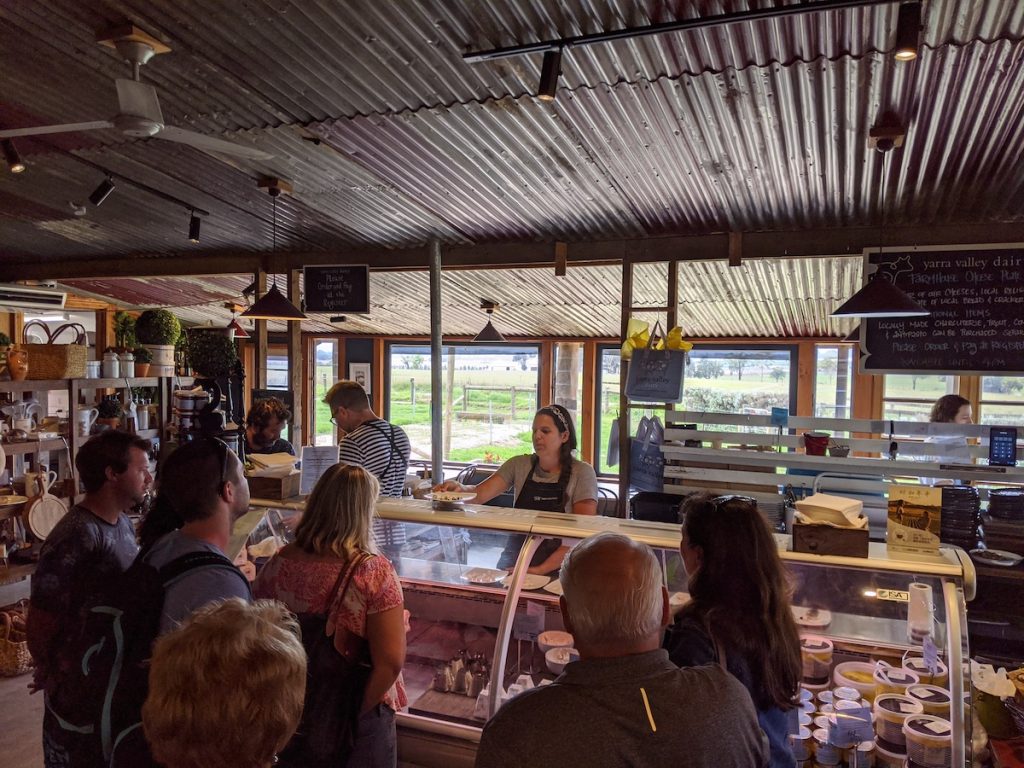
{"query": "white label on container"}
{"type": "Point", "coordinates": [908, 708]}
{"type": "Point", "coordinates": [938, 726]}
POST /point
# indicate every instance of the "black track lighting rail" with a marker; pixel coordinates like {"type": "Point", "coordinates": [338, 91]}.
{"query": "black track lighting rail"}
{"type": "Point", "coordinates": [681, 25]}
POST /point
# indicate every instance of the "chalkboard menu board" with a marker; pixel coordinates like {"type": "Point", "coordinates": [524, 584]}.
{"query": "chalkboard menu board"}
{"type": "Point", "coordinates": [337, 288]}
{"type": "Point", "coordinates": [976, 298]}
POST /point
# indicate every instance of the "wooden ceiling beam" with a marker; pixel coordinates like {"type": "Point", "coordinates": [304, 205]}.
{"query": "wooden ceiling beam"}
{"type": "Point", "coordinates": [793, 244]}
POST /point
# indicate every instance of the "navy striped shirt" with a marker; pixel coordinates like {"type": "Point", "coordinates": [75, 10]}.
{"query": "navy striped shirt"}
{"type": "Point", "coordinates": [382, 449]}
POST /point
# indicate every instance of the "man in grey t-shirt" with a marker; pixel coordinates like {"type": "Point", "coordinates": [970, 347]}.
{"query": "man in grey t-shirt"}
{"type": "Point", "coordinates": [205, 485]}
{"type": "Point", "coordinates": [624, 703]}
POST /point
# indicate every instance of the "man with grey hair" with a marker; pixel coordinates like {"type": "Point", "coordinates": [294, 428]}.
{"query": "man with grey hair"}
{"type": "Point", "coordinates": [624, 703]}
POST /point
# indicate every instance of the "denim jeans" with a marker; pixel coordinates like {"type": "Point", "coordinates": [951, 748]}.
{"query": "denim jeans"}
{"type": "Point", "coordinates": [376, 740]}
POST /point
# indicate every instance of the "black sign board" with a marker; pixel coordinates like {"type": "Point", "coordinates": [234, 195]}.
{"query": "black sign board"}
{"type": "Point", "coordinates": [337, 288]}
{"type": "Point", "coordinates": [976, 298]}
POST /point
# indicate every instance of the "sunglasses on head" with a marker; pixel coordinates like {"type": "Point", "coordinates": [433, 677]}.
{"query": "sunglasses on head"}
{"type": "Point", "coordinates": [720, 501]}
{"type": "Point", "coordinates": [221, 449]}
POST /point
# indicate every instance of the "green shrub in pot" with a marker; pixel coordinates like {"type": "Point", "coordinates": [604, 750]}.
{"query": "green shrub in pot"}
{"type": "Point", "coordinates": [143, 355]}
{"type": "Point", "coordinates": [157, 327]}
{"type": "Point", "coordinates": [124, 331]}
{"type": "Point", "coordinates": [210, 353]}
{"type": "Point", "coordinates": [110, 408]}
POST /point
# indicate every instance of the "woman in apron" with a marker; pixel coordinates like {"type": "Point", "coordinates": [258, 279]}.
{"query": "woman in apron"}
{"type": "Point", "coordinates": [549, 480]}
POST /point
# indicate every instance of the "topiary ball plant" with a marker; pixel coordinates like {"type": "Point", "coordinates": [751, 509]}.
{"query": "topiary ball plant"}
{"type": "Point", "coordinates": [157, 326]}
{"type": "Point", "coordinates": [211, 354]}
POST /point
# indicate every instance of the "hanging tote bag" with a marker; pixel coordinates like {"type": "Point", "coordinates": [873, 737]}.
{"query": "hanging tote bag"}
{"type": "Point", "coordinates": [646, 461]}
{"type": "Point", "coordinates": [656, 375]}
{"type": "Point", "coordinates": [335, 683]}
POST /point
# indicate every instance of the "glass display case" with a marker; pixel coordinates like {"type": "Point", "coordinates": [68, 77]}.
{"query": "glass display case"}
{"type": "Point", "coordinates": [482, 627]}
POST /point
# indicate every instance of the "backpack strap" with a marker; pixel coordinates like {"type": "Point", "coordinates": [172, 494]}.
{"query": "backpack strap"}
{"type": "Point", "coordinates": [192, 561]}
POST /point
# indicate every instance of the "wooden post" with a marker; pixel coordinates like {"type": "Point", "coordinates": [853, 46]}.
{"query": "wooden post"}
{"type": "Point", "coordinates": [296, 363]}
{"type": "Point", "coordinates": [260, 337]}
{"type": "Point", "coordinates": [449, 401]}
{"type": "Point", "coordinates": [805, 379]}
{"type": "Point", "coordinates": [624, 436]}
{"type": "Point", "coordinates": [561, 258]}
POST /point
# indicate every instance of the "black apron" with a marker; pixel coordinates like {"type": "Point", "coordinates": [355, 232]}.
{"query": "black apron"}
{"type": "Point", "coordinates": [545, 497]}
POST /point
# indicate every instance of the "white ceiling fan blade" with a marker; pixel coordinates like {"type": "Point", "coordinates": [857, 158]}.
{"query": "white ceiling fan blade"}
{"type": "Point", "coordinates": [210, 143]}
{"type": "Point", "coordinates": [39, 130]}
{"type": "Point", "coordinates": [139, 100]}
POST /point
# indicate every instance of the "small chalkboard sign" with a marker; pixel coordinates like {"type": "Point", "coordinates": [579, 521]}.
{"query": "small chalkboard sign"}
{"type": "Point", "coordinates": [975, 294]}
{"type": "Point", "coordinates": [343, 288]}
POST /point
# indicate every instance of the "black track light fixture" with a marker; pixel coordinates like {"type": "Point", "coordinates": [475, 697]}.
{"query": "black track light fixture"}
{"type": "Point", "coordinates": [14, 161]}
{"type": "Point", "coordinates": [102, 192]}
{"type": "Point", "coordinates": [194, 223]}
{"type": "Point", "coordinates": [908, 31]}
{"type": "Point", "coordinates": [550, 71]}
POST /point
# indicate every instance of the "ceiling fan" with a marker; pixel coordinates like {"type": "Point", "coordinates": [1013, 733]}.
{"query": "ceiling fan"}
{"type": "Point", "coordinates": [139, 112]}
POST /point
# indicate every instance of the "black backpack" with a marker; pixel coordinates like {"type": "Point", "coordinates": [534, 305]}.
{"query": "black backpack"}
{"type": "Point", "coordinates": [104, 676]}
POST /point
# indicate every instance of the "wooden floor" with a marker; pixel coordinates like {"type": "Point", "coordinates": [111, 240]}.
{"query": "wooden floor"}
{"type": "Point", "coordinates": [21, 718]}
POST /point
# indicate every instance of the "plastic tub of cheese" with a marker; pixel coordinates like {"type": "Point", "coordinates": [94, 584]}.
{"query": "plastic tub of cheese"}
{"type": "Point", "coordinates": [934, 699]}
{"type": "Point", "coordinates": [816, 653]}
{"type": "Point", "coordinates": [800, 742]}
{"type": "Point", "coordinates": [886, 758]}
{"type": "Point", "coordinates": [916, 664]}
{"type": "Point", "coordinates": [554, 638]}
{"type": "Point", "coordinates": [891, 711]}
{"type": "Point", "coordinates": [929, 740]}
{"type": "Point", "coordinates": [856, 674]}
{"type": "Point", "coordinates": [890, 679]}
{"type": "Point", "coordinates": [824, 752]}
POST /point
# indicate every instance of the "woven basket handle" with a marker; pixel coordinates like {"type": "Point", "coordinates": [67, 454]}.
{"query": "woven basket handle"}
{"type": "Point", "coordinates": [51, 337]}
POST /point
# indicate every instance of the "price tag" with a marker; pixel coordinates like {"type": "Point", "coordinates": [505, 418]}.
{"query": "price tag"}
{"type": "Point", "coordinates": [851, 726]}
{"type": "Point", "coordinates": [931, 655]}
{"type": "Point", "coordinates": [779, 417]}
{"type": "Point", "coordinates": [527, 626]}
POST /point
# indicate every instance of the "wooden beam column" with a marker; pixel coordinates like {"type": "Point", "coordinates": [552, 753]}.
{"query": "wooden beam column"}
{"type": "Point", "coordinates": [805, 366]}
{"type": "Point", "coordinates": [296, 362]}
{"type": "Point", "coordinates": [259, 337]}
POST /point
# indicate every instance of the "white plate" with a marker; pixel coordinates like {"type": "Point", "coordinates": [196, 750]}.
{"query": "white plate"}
{"type": "Point", "coordinates": [484, 575]}
{"type": "Point", "coordinates": [554, 587]}
{"type": "Point", "coordinates": [811, 617]}
{"type": "Point", "coordinates": [530, 580]}
{"type": "Point", "coordinates": [998, 557]}
{"type": "Point", "coordinates": [12, 501]}
{"type": "Point", "coordinates": [451, 496]}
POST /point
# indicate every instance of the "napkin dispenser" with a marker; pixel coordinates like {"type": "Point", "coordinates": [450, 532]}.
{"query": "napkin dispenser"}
{"type": "Point", "coordinates": [830, 525]}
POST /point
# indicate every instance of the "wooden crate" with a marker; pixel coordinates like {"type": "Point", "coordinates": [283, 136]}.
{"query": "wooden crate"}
{"type": "Point", "coordinates": [826, 540]}
{"type": "Point", "coordinates": [274, 487]}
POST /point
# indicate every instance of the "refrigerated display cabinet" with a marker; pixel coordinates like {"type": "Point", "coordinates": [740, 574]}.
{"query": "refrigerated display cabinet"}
{"type": "Point", "coordinates": [464, 605]}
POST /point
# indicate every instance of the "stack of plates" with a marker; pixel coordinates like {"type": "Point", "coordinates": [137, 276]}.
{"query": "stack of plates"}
{"type": "Point", "coordinates": [961, 517]}
{"type": "Point", "coordinates": [1006, 503]}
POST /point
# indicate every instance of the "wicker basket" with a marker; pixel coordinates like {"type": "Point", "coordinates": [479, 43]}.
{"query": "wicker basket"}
{"type": "Point", "coordinates": [14, 656]}
{"type": "Point", "coordinates": [57, 361]}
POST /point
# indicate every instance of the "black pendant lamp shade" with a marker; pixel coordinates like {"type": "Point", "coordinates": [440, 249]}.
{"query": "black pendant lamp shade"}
{"type": "Point", "coordinates": [272, 305]}
{"type": "Point", "coordinates": [880, 298]}
{"type": "Point", "coordinates": [489, 333]}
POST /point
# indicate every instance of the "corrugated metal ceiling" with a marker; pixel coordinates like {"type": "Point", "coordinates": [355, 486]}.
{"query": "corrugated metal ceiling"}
{"type": "Point", "coordinates": [749, 126]}
{"type": "Point", "coordinates": [767, 298]}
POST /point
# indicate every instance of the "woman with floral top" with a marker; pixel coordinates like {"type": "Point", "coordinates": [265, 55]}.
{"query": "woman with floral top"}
{"type": "Point", "coordinates": [336, 531]}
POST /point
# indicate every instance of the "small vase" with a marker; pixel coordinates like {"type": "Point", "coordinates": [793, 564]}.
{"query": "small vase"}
{"type": "Point", "coordinates": [141, 370]}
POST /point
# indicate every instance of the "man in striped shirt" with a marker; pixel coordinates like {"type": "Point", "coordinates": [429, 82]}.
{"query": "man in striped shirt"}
{"type": "Point", "coordinates": [377, 446]}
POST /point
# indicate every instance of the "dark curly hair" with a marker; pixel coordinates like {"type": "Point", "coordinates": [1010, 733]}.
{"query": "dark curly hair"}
{"type": "Point", "coordinates": [263, 411]}
{"type": "Point", "coordinates": [946, 408]}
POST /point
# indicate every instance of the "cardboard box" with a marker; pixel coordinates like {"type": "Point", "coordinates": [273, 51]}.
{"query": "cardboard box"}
{"type": "Point", "coordinates": [274, 487]}
{"type": "Point", "coordinates": [829, 540]}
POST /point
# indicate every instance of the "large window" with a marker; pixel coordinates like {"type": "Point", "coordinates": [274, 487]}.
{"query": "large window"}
{"type": "Point", "coordinates": [325, 373]}
{"type": "Point", "coordinates": [489, 395]}
{"type": "Point", "coordinates": [567, 385]}
{"type": "Point", "coordinates": [609, 364]}
{"type": "Point", "coordinates": [909, 397]}
{"type": "Point", "coordinates": [1002, 401]}
{"type": "Point", "coordinates": [833, 383]}
{"type": "Point", "coordinates": [740, 380]}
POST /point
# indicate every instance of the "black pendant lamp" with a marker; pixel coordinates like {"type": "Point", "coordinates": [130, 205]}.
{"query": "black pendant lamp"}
{"type": "Point", "coordinates": [880, 297]}
{"type": "Point", "coordinates": [273, 305]}
{"type": "Point", "coordinates": [489, 332]}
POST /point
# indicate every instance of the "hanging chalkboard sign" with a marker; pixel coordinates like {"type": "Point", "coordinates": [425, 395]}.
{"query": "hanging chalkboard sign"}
{"type": "Point", "coordinates": [976, 298]}
{"type": "Point", "coordinates": [343, 288]}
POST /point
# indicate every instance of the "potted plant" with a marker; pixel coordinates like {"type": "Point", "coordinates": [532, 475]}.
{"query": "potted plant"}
{"type": "Point", "coordinates": [143, 357]}
{"type": "Point", "coordinates": [211, 354]}
{"type": "Point", "coordinates": [110, 412]}
{"type": "Point", "coordinates": [124, 331]}
{"type": "Point", "coordinates": [158, 330]}
{"type": "Point", "coordinates": [5, 342]}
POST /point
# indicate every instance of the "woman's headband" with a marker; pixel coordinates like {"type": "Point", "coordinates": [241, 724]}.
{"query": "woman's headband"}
{"type": "Point", "coordinates": [559, 413]}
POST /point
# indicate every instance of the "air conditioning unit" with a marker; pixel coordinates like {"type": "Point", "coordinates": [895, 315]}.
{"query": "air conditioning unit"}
{"type": "Point", "coordinates": [20, 297]}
